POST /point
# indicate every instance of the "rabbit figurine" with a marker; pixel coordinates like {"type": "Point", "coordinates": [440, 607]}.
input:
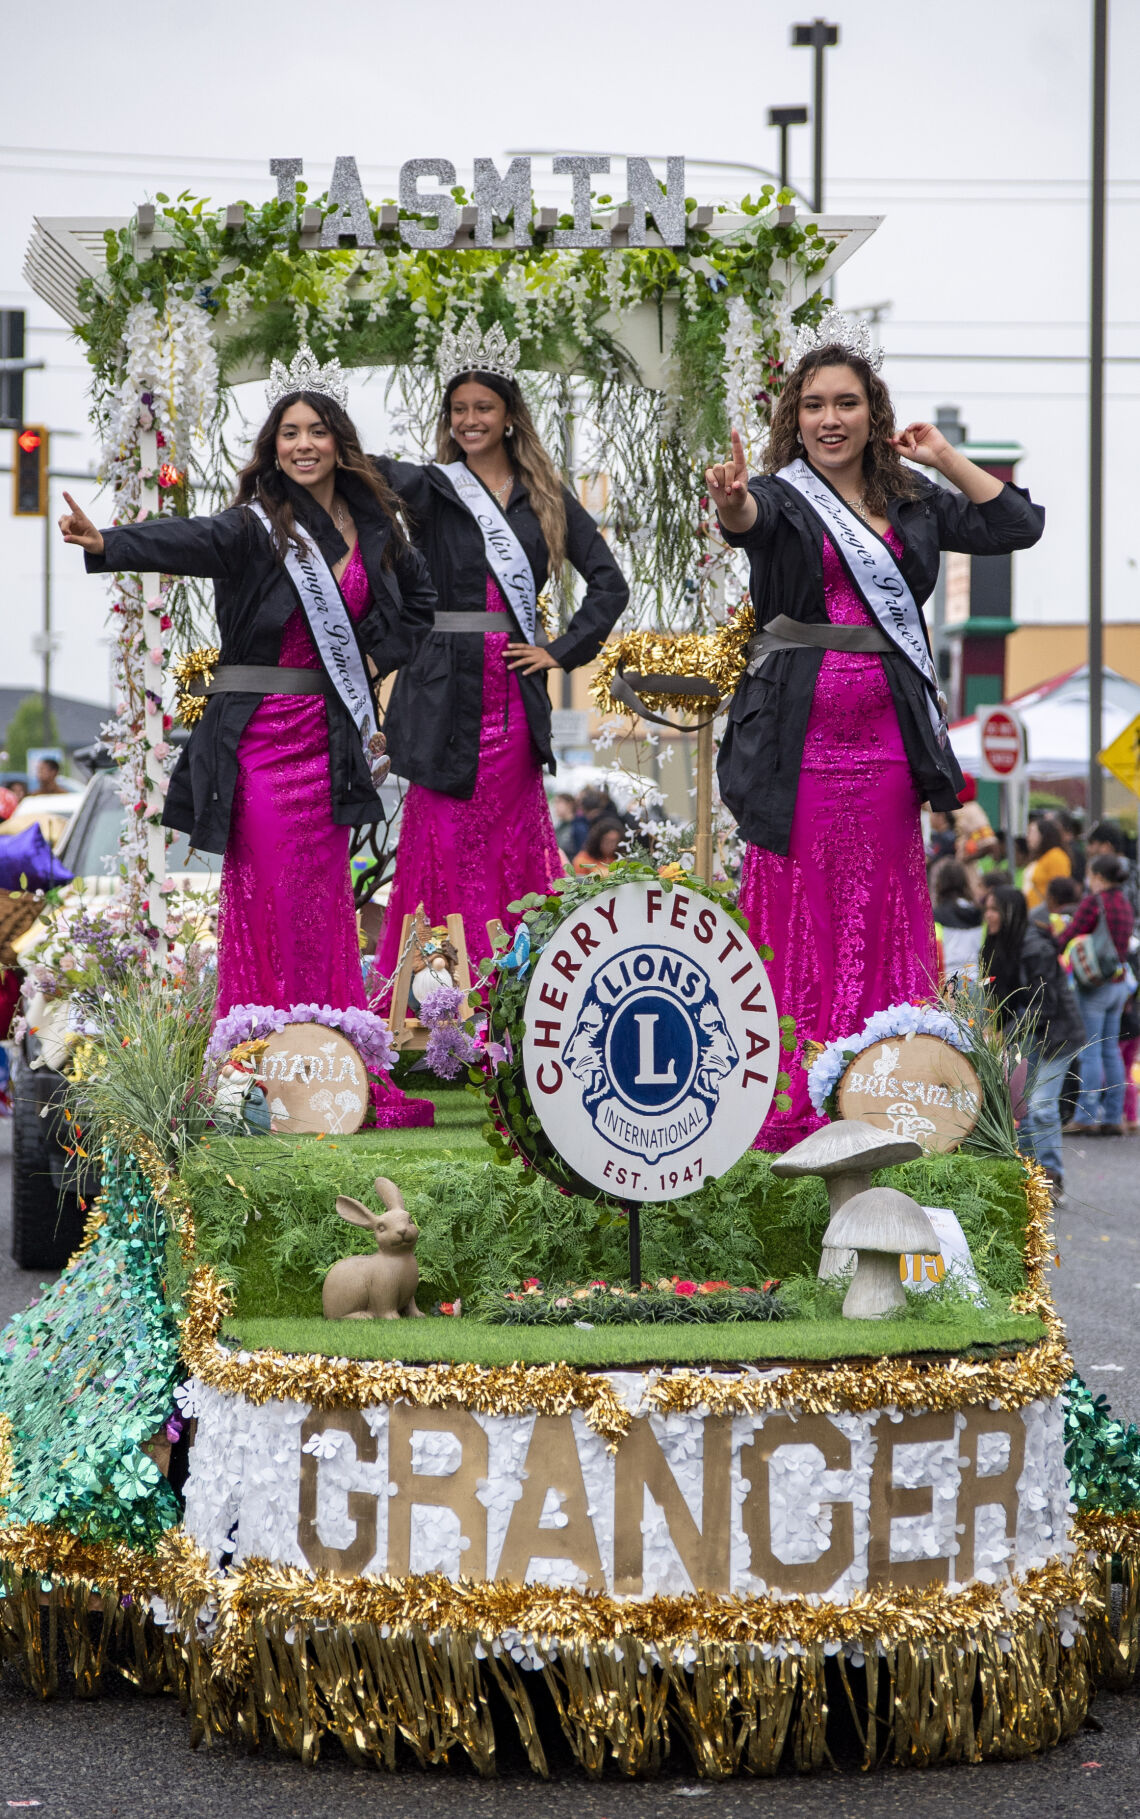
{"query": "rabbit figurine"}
{"type": "Point", "coordinates": [381, 1287]}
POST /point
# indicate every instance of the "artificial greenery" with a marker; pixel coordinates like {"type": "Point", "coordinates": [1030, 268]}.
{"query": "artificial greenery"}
{"type": "Point", "coordinates": [514, 1128]}
{"type": "Point", "coordinates": [466, 1341]}
{"type": "Point", "coordinates": [386, 306]}
{"type": "Point", "coordinates": [1102, 1453]}
{"type": "Point", "coordinates": [264, 1210]}
{"type": "Point", "coordinates": [87, 1377]}
{"type": "Point", "coordinates": [150, 1031]}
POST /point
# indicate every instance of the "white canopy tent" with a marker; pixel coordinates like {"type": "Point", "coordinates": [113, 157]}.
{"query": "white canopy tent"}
{"type": "Point", "coordinates": [1056, 719]}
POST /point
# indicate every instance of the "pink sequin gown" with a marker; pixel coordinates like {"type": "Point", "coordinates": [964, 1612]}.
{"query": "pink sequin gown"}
{"type": "Point", "coordinates": [847, 911]}
{"type": "Point", "coordinates": [287, 920]}
{"type": "Point", "coordinates": [478, 854]}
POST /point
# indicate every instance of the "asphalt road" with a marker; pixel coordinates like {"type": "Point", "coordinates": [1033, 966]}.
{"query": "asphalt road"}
{"type": "Point", "coordinates": [129, 1756]}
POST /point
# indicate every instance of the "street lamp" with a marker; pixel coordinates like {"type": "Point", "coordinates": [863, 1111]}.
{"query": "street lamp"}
{"type": "Point", "coordinates": [820, 36]}
{"type": "Point", "coordinates": [783, 118]}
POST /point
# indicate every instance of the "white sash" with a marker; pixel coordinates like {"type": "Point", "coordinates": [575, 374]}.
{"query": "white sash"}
{"type": "Point", "coordinates": [329, 621]}
{"type": "Point", "coordinates": [877, 576]}
{"type": "Point", "coordinates": [506, 557]}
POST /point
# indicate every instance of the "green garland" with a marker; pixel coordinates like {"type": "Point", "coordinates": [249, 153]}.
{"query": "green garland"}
{"type": "Point", "coordinates": [514, 1128]}
{"type": "Point", "coordinates": [388, 304]}
{"type": "Point", "coordinates": [1102, 1454]}
{"type": "Point", "coordinates": [87, 1378]}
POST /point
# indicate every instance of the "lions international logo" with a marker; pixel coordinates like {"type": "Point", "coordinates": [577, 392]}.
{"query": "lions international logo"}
{"type": "Point", "coordinates": [650, 1050]}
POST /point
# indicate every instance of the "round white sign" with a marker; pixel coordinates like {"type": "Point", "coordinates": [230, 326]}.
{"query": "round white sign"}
{"type": "Point", "coordinates": [652, 1045]}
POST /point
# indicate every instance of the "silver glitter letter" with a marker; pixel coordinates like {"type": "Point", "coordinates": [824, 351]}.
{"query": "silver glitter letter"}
{"type": "Point", "coordinates": [581, 234]}
{"type": "Point", "coordinates": [502, 196]}
{"type": "Point", "coordinates": [667, 206]}
{"type": "Point", "coordinates": [286, 171]}
{"type": "Point", "coordinates": [348, 211]}
{"type": "Point", "coordinates": [435, 203]}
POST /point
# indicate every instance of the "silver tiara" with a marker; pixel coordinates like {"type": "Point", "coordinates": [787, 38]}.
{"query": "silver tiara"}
{"type": "Point", "coordinates": [834, 330]}
{"type": "Point", "coordinates": [471, 352]}
{"type": "Point", "coordinates": [306, 374]}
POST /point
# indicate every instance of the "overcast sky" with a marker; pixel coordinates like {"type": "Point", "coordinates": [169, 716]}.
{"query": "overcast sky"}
{"type": "Point", "coordinates": [967, 128]}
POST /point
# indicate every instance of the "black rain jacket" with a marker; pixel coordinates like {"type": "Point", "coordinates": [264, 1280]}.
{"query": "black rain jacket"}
{"type": "Point", "coordinates": [436, 707]}
{"type": "Point", "coordinates": [253, 599]}
{"type": "Point", "coordinates": [762, 751]}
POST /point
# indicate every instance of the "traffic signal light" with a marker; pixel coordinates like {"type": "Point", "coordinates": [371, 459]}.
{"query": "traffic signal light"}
{"type": "Point", "coordinates": [30, 472]}
{"type": "Point", "coordinates": [11, 380]}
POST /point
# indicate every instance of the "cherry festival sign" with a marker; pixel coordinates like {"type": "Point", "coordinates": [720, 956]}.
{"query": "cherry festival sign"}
{"type": "Point", "coordinates": [652, 1045]}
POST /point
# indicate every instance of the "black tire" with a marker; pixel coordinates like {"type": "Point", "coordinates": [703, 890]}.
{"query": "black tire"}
{"type": "Point", "coordinates": [46, 1227]}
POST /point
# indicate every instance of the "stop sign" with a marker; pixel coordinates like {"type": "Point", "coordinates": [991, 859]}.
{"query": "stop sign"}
{"type": "Point", "coordinates": [1002, 742]}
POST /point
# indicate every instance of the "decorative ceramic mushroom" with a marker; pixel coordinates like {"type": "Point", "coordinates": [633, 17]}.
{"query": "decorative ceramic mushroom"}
{"type": "Point", "coordinates": [845, 1155]}
{"type": "Point", "coordinates": [879, 1225]}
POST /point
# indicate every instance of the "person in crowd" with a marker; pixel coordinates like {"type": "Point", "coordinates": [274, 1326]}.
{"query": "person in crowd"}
{"type": "Point", "coordinates": [1070, 826]}
{"type": "Point", "coordinates": [1062, 894]}
{"type": "Point", "coordinates": [569, 826]}
{"type": "Point", "coordinates": [603, 843]}
{"type": "Point", "coordinates": [957, 921]}
{"type": "Point", "coordinates": [1061, 898]}
{"type": "Point", "coordinates": [1130, 1052]}
{"type": "Point", "coordinates": [285, 759]}
{"type": "Point", "coordinates": [974, 839]}
{"type": "Point", "coordinates": [1100, 1108]}
{"type": "Point", "coordinates": [1109, 837]}
{"type": "Point", "coordinates": [468, 723]}
{"type": "Point", "coordinates": [47, 777]}
{"type": "Point", "coordinates": [1034, 1007]}
{"type": "Point", "coordinates": [941, 841]}
{"type": "Point", "coordinates": [1048, 858]}
{"type": "Point", "coordinates": [837, 733]}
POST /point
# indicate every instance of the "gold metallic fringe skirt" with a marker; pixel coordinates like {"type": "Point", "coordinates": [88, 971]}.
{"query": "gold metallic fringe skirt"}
{"type": "Point", "coordinates": [254, 1667]}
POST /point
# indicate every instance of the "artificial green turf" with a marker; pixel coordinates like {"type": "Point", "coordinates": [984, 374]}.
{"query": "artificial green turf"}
{"type": "Point", "coordinates": [465, 1341]}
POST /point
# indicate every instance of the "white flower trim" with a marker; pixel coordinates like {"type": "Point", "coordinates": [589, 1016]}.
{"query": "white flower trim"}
{"type": "Point", "coordinates": [901, 1020]}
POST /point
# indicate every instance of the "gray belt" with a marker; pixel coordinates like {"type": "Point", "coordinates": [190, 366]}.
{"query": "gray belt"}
{"type": "Point", "coordinates": [260, 679]}
{"type": "Point", "coordinates": [784, 634]}
{"type": "Point", "coordinates": [472, 622]}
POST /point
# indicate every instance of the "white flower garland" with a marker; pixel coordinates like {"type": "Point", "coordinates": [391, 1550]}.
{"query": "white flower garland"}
{"type": "Point", "coordinates": [162, 406]}
{"type": "Point", "coordinates": [903, 1020]}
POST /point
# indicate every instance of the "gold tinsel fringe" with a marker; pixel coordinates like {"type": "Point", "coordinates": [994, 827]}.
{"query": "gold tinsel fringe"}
{"type": "Point", "coordinates": [1113, 1559]}
{"type": "Point", "coordinates": [197, 665]}
{"type": "Point", "coordinates": [389, 1668]}
{"type": "Point", "coordinates": [718, 657]}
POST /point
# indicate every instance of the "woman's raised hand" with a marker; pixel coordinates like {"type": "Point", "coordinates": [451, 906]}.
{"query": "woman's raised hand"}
{"type": "Point", "coordinates": [78, 528]}
{"type": "Point", "coordinates": [923, 443]}
{"type": "Point", "coordinates": [728, 488]}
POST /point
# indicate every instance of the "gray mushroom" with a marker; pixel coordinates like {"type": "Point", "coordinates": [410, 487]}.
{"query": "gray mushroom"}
{"type": "Point", "coordinates": [845, 1155]}
{"type": "Point", "coordinates": [880, 1225]}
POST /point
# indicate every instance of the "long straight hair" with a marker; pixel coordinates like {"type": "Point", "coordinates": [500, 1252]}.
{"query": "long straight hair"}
{"type": "Point", "coordinates": [262, 482]}
{"type": "Point", "coordinates": [527, 457]}
{"type": "Point", "coordinates": [885, 476]}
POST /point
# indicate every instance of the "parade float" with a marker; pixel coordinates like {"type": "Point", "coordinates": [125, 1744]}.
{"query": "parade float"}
{"type": "Point", "coordinates": [573, 1429]}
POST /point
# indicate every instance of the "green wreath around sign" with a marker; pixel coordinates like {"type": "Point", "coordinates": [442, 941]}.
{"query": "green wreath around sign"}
{"type": "Point", "coordinates": [514, 1129]}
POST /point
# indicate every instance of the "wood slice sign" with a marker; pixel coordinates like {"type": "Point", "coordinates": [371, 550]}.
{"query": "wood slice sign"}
{"type": "Point", "coordinates": [921, 1087]}
{"type": "Point", "coordinates": [315, 1080]}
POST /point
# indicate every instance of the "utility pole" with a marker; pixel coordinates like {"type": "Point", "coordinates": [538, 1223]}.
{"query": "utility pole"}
{"type": "Point", "coordinates": [782, 118]}
{"type": "Point", "coordinates": [820, 36]}
{"type": "Point", "coordinates": [1096, 407]}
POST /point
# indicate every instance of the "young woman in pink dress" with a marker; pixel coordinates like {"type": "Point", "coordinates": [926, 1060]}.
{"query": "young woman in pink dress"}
{"type": "Point", "coordinates": [835, 734]}
{"type": "Point", "coordinates": [468, 724]}
{"type": "Point", "coordinates": [275, 776]}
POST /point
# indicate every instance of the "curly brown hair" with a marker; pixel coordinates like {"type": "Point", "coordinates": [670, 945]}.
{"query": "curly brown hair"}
{"type": "Point", "coordinates": [885, 476]}
{"type": "Point", "coordinates": [262, 481]}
